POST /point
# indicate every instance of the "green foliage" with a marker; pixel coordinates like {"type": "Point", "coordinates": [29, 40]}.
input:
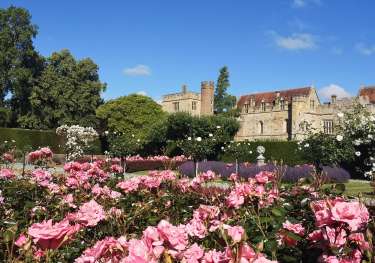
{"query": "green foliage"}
{"type": "Point", "coordinates": [32, 138]}
{"type": "Point", "coordinates": [324, 149]}
{"type": "Point", "coordinates": [133, 114]}
{"type": "Point", "coordinates": [180, 126]}
{"type": "Point", "coordinates": [68, 92]}
{"type": "Point", "coordinates": [223, 102]}
{"type": "Point", "coordinates": [130, 120]}
{"type": "Point", "coordinates": [279, 151]}
{"type": "Point", "coordinates": [353, 147]}
{"type": "Point", "coordinates": [20, 64]}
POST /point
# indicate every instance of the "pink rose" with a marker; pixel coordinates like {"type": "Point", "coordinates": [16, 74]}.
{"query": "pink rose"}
{"type": "Point", "coordinates": [295, 228]}
{"type": "Point", "coordinates": [108, 249]}
{"type": "Point", "coordinates": [21, 240]}
{"type": "Point", "coordinates": [196, 228]}
{"type": "Point", "coordinates": [235, 199]}
{"type": "Point", "coordinates": [335, 237]}
{"type": "Point", "coordinates": [193, 254]}
{"type": "Point", "coordinates": [129, 185]}
{"type": "Point", "coordinates": [89, 214]}
{"type": "Point", "coordinates": [354, 214]}
{"type": "Point", "coordinates": [235, 232]}
{"type": "Point", "coordinates": [6, 173]}
{"type": "Point", "coordinates": [51, 236]}
{"type": "Point", "coordinates": [176, 236]}
{"type": "Point", "coordinates": [262, 177]}
{"type": "Point", "coordinates": [213, 256]}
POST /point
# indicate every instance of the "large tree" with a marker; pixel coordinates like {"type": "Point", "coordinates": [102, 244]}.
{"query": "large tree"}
{"type": "Point", "coordinates": [68, 92]}
{"type": "Point", "coordinates": [132, 114]}
{"type": "Point", "coordinates": [223, 101]}
{"type": "Point", "coordinates": [20, 64]}
{"type": "Point", "coordinates": [129, 120]}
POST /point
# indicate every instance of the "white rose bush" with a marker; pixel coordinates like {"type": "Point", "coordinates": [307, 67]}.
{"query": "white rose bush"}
{"type": "Point", "coordinates": [78, 139]}
{"type": "Point", "coordinates": [352, 145]}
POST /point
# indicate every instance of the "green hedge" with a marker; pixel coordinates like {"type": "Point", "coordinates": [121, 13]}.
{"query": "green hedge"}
{"type": "Point", "coordinates": [39, 138]}
{"type": "Point", "coordinates": [285, 151]}
{"type": "Point", "coordinates": [33, 138]}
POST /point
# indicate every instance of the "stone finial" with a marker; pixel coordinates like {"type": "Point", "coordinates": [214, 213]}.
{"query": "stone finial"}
{"type": "Point", "coordinates": [261, 159]}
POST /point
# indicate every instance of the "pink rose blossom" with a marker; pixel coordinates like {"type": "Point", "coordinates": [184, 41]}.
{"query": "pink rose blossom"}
{"type": "Point", "coordinates": [193, 254]}
{"type": "Point", "coordinates": [89, 214]}
{"type": "Point", "coordinates": [213, 256]}
{"type": "Point", "coordinates": [196, 228]}
{"type": "Point", "coordinates": [295, 228]}
{"type": "Point", "coordinates": [235, 232]}
{"type": "Point", "coordinates": [21, 240]}
{"type": "Point", "coordinates": [108, 249]}
{"type": "Point", "coordinates": [175, 236]}
{"type": "Point", "coordinates": [51, 236]}
{"type": "Point", "coordinates": [354, 214]}
{"type": "Point", "coordinates": [6, 173]}
{"type": "Point", "coordinates": [129, 185]}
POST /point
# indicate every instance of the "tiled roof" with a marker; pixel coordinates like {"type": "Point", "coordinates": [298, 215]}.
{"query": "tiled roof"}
{"type": "Point", "coordinates": [368, 92]}
{"type": "Point", "coordinates": [269, 97]}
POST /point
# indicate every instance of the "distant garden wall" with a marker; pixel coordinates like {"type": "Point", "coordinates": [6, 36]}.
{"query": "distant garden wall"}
{"type": "Point", "coordinates": [285, 151]}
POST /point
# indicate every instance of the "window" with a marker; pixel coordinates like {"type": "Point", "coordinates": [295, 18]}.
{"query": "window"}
{"type": "Point", "coordinates": [263, 106]}
{"type": "Point", "coordinates": [328, 126]}
{"type": "Point", "coordinates": [246, 108]}
{"type": "Point", "coordinates": [194, 105]}
{"type": "Point", "coordinates": [176, 106]}
{"type": "Point", "coordinates": [282, 104]}
{"type": "Point", "coordinates": [260, 127]}
{"type": "Point", "coordinates": [312, 104]}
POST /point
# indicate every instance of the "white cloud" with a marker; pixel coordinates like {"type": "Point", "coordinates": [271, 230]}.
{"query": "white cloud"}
{"type": "Point", "coordinates": [139, 70]}
{"type": "Point", "coordinates": [337, 50]}
{"type": "Point", "coordinates": [333, 89]}
{"type": "Point", "coordinates": [303, 3]}
{"type": "Point", "coordinates": [299, 3]}
{"type": "Point", "coordinates": [365, 49]}
{"type": "Point", "coordinates": [296, 41]}
{"type": "Point", "coordinates": [142, 92]}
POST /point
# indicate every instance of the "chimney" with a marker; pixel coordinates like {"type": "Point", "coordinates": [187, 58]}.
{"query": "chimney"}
{"type": "Point", "coordinates": [333, 98]}
{"type": "Point", "coordinates": [184, 88]}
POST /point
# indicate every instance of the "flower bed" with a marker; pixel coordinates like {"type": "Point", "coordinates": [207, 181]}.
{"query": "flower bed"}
{"type": "Point", "coordinates": [247, 170]}
{"type": "Point", "coordinates": [91, 214]}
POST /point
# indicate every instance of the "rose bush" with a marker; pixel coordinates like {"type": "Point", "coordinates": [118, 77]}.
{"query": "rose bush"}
{"type": "Point", "coordinates": [90, 213]}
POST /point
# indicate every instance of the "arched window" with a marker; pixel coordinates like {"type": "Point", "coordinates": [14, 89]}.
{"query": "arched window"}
{"type": "Point", "coordinates": [260, 127]}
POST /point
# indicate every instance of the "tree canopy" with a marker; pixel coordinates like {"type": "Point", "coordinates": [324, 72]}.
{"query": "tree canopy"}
{"type": "Point", "coordinates": [67, 92]}
{"type": "Point", "coordinates": [223, 101]}
{"type": "Point", "coordinates": [20, 64]}
{"type": "Point", "coordinates": [132, 114]}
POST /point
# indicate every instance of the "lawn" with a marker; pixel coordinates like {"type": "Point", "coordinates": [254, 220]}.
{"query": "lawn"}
{"type": "Point", "coordinates": [355, 187]}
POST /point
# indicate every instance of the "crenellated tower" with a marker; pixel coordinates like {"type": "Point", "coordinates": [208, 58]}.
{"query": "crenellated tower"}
{"type": "Point", "coordinates": [207, 97]}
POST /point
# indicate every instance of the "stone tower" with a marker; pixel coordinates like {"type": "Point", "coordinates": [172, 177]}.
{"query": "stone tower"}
{"type": "Point", "coordinates": [207, 97]}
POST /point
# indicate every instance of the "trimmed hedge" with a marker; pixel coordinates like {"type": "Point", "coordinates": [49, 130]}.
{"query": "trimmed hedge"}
{"type": "Point", "coordinates": [285, 151]}
{"type": "Point", "coordinates": [40, 138]}
{"type": "Point", "coordinates": [32, 138]}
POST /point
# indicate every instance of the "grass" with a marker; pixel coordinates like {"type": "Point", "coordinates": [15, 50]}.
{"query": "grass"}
{"type": "Point", "coordinates": [355, 187]}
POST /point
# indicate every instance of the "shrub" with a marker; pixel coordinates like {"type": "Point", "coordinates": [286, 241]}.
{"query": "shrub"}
{"type": "Point", "coordinates": [285, 151]}
{"type": "Point", "coordinates": [353, 145]}
{"type": "Point", "coordinates": [33, 138]}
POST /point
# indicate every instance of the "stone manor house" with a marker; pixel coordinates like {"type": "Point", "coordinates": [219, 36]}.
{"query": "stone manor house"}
{"type": "Point", "coordinates": [277, 115]}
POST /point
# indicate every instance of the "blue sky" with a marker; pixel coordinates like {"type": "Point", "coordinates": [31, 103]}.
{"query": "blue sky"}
{"type": "Point", "coordinates": [154, 47]}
